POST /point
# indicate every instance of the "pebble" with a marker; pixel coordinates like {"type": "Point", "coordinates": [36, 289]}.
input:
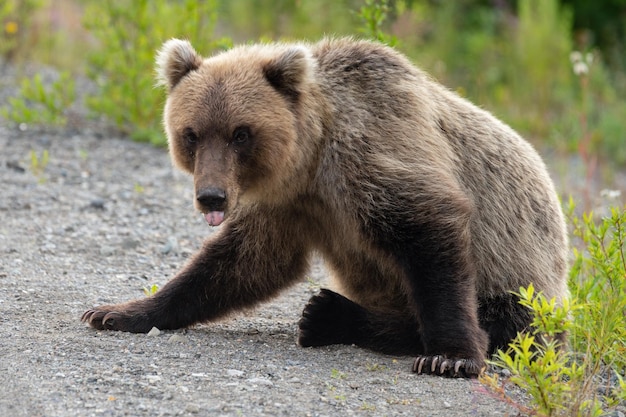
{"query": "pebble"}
{"type": "Point", "coordinates": [154, 332]}
{"type": "Point", "coordinates": [107, 250]}
{"type": "Point", "coordinates": [130, 243]}
{"type": "Point", "coordinates": [97, 203]}
{"type": "Point", "coordinates": [171, 246]}
{"type": "Point", "coordinates": [260, 381]}
{"type": "Point", "coordinates": [153, 378]}
{"type": "Point", "coordinates": [177, 338]}
{"type": "Point", "coordinates": [234, 372]}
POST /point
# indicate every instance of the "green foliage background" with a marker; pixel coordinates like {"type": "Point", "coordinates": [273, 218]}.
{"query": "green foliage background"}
{"type": "Point", "coordinates": [129, 33]}
{"type": "Point", "coordinates": [511, 57]}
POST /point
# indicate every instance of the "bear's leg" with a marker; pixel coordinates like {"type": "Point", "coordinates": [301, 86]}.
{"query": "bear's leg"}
{"type": "Point", "coordinates": [433, 248]}
{"type": "Point", "coordinates": [442, 281]}
{"type": "Point", "coordinates": [228, 274]}
{"type": "Point", "coordinates": [502, 317]}
{"type": "Point", "coordinates": [330, 318]}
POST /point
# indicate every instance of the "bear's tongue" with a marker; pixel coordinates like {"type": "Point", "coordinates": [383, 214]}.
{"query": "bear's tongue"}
{"type": "Point", "coordinates": [214, 218]}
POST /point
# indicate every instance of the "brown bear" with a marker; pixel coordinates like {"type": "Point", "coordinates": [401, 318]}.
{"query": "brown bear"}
{"type": "Point", "coordinates": [428, 210]}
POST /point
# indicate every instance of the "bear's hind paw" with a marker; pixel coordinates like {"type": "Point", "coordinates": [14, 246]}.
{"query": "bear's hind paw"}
{"type": "Point", "coordinates": [451, 367]}
{"type": "Point", "coordinates": [329, 318]}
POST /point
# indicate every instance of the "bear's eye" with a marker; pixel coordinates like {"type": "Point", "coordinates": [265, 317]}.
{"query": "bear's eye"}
{"type": "Point", "coordinates": [241, 135]}
{"type": "Point", "coordinates": [189, 136]}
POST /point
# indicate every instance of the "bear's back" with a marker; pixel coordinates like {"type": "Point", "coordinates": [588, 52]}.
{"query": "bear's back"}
{"type": "Point", "coordinates": [392, 120]}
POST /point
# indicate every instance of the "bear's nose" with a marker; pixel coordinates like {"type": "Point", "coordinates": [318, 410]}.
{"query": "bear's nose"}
{"type": "Point", "coordinates": [212, 198]}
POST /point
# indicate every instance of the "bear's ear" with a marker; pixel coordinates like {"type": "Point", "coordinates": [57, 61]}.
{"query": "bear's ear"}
{"type": "Point", "coordinates": [289, 71]}
{"type": "Point", "coordinates": [175, 60]}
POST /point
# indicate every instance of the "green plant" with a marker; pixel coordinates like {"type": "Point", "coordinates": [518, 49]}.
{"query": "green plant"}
{"type": "Point", "coordinates": [39, 104]}
{"type": "Point", "coordinates": [535, 359]}
{"type": "Point", "coordinates": [150, 290]}
{"type": "Point", "coordinates": [373, 16]}
{"type": "Point", "coordinates": [336, 374]}
{"type": "Point", "coordinates": [598, 281]}
{"type": "Point", "coordinates": [365, 406]}
{"type": "Point", "coordinates": [129, 34]}
{"type": "Point", "coordinates": [139, 189]}
{"type": "Point", "coordinates": [564, 382]}
{"type": "Point", "coordinates": [38, 164]}
{"type": "Point", "coordinates": [374, 367]}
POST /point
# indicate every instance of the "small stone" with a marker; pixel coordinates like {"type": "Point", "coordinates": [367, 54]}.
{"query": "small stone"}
{"type": "Point", "coordinates": [171, 246]}
{"type": "Point", "coordinates": [234, 372]}
{"type": "Point", "coordinates": [154, 332]}
{"type": "Point", "coordinates": [153, 378]}
{"type": "Point", "coordinates": [97, 203]}
{"type": "Point", "coordinates": [15, 166]}
{"type": "Point", "coordinates": [107, 250]}
{"type": "Point", "coordinates": [446, 404]}
{"type": "Point", "coordinates": [192, 408]}
{"type": "Point", "coordinates": [260, 381]}
{"type": "Point", "coordinates": [177, 338]}
{"type": "Point", "coordinates": [130, 243]}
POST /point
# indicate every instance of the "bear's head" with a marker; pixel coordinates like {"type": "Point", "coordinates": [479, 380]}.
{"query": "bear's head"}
{"type": "Point", "coordinates": [235, 121]}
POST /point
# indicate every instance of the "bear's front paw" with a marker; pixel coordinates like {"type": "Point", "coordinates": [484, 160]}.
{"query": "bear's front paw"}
{"type": "Point", "coordinates": [449, 366]}
{"type": "Point", "coordinates": [117, 317]}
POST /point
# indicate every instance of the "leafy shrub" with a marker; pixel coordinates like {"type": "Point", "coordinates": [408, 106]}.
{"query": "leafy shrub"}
{"type": "Point", "coordinates": [598, 282]}
{"type": "Point", "coordinates": [129, 33]}
{"type": "Point", "coordinates": [39, 104]}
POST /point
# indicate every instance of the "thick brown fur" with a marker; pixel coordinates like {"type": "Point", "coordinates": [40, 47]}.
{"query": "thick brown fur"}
{"type": "Point", "coordinates": [427, 209]}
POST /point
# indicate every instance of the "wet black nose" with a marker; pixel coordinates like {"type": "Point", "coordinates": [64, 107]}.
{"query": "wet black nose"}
{"type": "Point", "coordinates": [212, 198]}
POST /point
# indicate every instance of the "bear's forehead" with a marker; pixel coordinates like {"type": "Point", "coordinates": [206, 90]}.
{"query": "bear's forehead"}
{"type": "Point", "coordinates": [216, 97]}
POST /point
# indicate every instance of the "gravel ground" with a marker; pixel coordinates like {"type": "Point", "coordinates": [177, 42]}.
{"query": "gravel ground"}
{"type": "Point", "coordinates": [105, 218]}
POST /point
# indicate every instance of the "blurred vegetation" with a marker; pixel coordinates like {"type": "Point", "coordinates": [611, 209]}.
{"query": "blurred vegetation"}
{"type": "Point", "coordinates": [128, 34]}
{"type": "Point", "coordinates": [509, 56]}
{"type": "Point", "coordinates": [41, 104]}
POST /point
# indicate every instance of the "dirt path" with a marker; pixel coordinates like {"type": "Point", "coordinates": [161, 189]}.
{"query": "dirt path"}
{"type": "Point", "coordinates": [103, 219]}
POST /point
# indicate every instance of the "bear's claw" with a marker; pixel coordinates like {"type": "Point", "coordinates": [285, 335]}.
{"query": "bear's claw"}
{"type": "Point", "coordinates": [452, 367]}
{"type": "Point", "coordinates": [119, 317]}
{"type": "Point", "coordinates": [99, 319]}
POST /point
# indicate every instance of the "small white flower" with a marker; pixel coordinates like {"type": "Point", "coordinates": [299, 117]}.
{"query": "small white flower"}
{"type": "Point", "coordinates": [580, 68]}
{"type": "Point", "coordinates": [610, 194]}
{"type": "Point", "coordinates": [575, 57]}
{"type": "Point", "coordinates": [589, 58]}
